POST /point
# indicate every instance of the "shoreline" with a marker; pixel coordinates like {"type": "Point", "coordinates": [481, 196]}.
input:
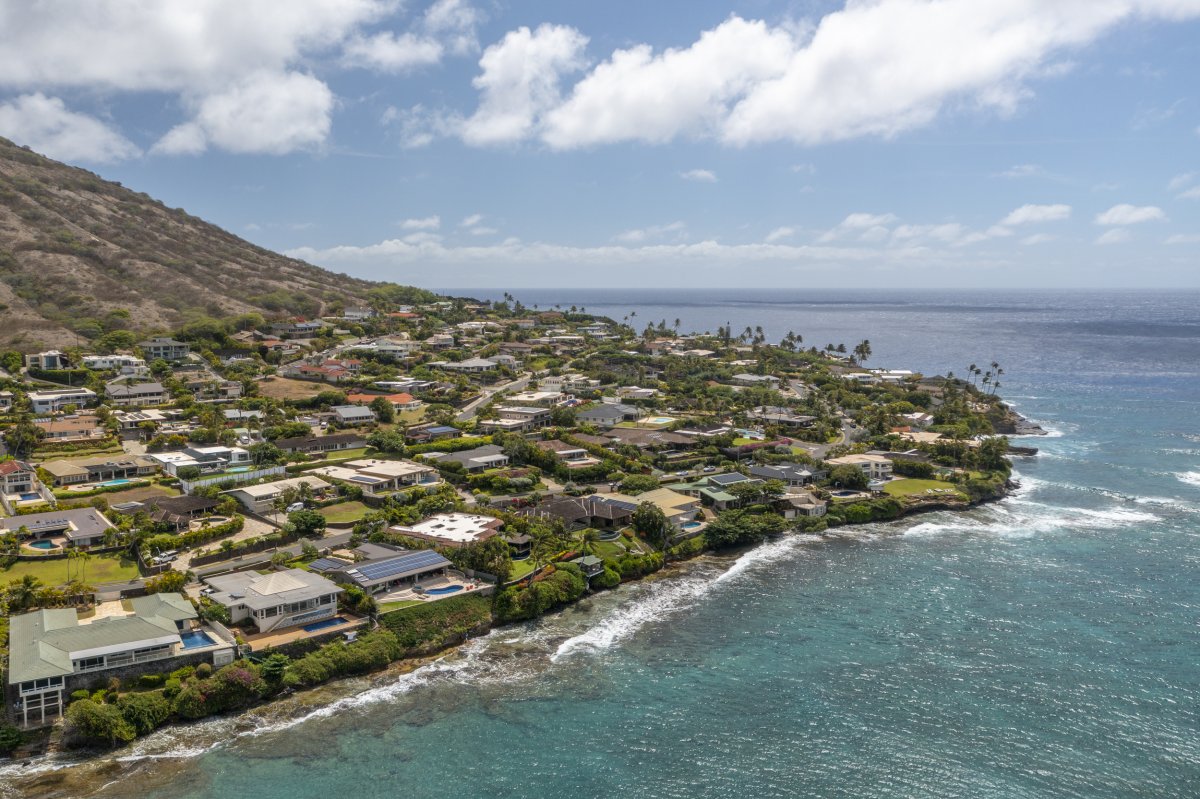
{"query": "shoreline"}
{"type": "Point", "coordinates": [298, 704]}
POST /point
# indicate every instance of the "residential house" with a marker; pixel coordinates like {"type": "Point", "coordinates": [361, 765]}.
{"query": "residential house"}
{"type": "Point", "coordinates": [452, 529]}
{"type": "Point", "coordinates": [546, 399]}
{"type": "Point", "coordinates": [51, 359]}
{"type": "Point", "coordinates": [489, 456]}
{"type": "Point", "coordinates": [75, 427]}
{"type": "Point", "coordinates": [20, 486]}
{"type": "Point", "coordinates": [469, 366]}
{"type": "Point", "coordinates": [780, 417]}
{"type": "Point", "coordinates": [790, 474]}
{"type": "Point", "coordinates": [637, 393]}
{"type": "Point", "coordinates": [714, 489]}
{"type": "Point", "coordinates": [568, 382]}
{"type": "Point", "coordinates": [385, 568]}
{"type": "Point", "coordinates": [215, 390]}
{"type": "Point", "coordinates": [80, 527]}
{"type": "Point", "coordinates": [55, 399]}
{"type": "Point", "coordinates": [439, 341]}
{"type": "Point", "coordinates": [277, 600]}
{"type": "Point", "coordinates": [517, 349]}
{"type": "Point", "coordinates": [333, 442]}
{"type": "Point", "coordinates": [650, 439]}
{"type": "Point", "coordinates": [677, 507]}
{"type": "Point", "coordinates": [100, 468]}
{"type": "Point", "coordinates": [420, 434]}
{"type": "Point", "coordinates": [745, 379]}
{"type": "Point", "coordinates": [608, 414]}
{"type": "Point", "coordinates": [401, 402]}
{"type": "Point", "coordinates": [514, 419]}
{"type": "Point", "coordinates": [55, 652]}
{"type": "Point", "coordinates": [573, 457]}
{"type": "Point", "coordinates": [590, 565]}
{"type": "Point", "coordinates": [132, 421]}
{"type": "Point", "coordinates": [261, 498]}
{"type": "Point", "coordinates": [801, 504]}
{"type": "Point", "coordinates": [352, 415]}
{"type": "Point", "coordinates": [209, 460]}
{"type": "Point", "coordinates": [166, 349]}
{"type": "Point", "coordinates": [377, 477]}
{"type": "Point", "coordinates": [6, 401]}
{"type": "Point", "coordinates": [876, 467]}
{"type": "Point", "coordinates": [124, 394]}
{"type": "Point", "coordinates": [127, 364]}
{"type": "Point", "coordinates": [177, 512]}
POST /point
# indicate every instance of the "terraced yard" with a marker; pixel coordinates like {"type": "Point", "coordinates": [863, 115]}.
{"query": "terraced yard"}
{"type": "Point", "coordinates": [922, 489]}
{"type": "Point", "coordinates": [344, 512]}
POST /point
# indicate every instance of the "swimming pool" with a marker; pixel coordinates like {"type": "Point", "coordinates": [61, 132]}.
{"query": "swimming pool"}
{"type": "Point", "coordinates": [196, 639]}
{"type": "Point", "coordinates": [692, 525]}
{"type": "Point", "coordinates": [43, 545]}
{"type": "Point", "coordinates": [449, 589]}
{"type": "Point", "coordinates": [321, 625]}
{"type": "Point", "coordinates": [238, 469]}
{"type": "Point", "coordinates": [30, 497]}
{"type": "Point", "coordinates": [118, 482]}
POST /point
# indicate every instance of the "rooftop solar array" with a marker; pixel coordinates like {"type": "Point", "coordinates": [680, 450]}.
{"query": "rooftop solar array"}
{"type": "Point", "coordinates": [393, 567]}
{"type": "Point", "coordinates": [617, 503]}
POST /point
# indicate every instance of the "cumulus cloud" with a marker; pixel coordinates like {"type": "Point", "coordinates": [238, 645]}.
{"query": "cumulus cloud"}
{"type": "Point", "coordinates": [520, 80]}
{"type": "Point", "coordinates": [1126, 214]}
{"type": "Point", "coordinates": [1117, 235]}
{"type": "Point", "coordinates": [267, 112]}
{"type": "Point", "coordinates": [874, 68]}
{"type": "Point", "coordinates": [1191, 194]}
{"type": "Point", "coordinates": [868, 227]}
{"type": "Point", "coordinates": [46, 125]}
{"type": "Point", "coordinates": [471, 221]}
{"type": "Point", "coordinates": [1034, 214]}
{"type": "Point", "coordinates": [424, 223]}
{"type": "Point", "coordinates": [1181, 181]}
{"type": "Point", "coordinates": [699, 175]}
{"type": "Point", "coordinates": [389, 52]}
{"type": "Point", "coordinates": [1037, 238]}
{"type": "Point", "coordinates": [780, 233]}
{"type": "Point", "coordinates": [1184, 238]}
{"type": "Point", "coordinates": [639, 235]}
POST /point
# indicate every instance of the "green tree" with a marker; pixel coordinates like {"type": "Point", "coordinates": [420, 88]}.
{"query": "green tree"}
{"type": "Point", "coordinates": [98, 724]}
{"type": "Point", "coordinates": [22, 436]}
{"type": "Point", "coordinates": [383, 409]}
{"type": "Point", "coordinates": [307, 523]}
{"type": "Point", "coordinates": [651, 524]}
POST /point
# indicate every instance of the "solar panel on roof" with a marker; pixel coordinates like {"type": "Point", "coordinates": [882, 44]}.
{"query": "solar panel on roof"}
{"type": "Point", "coordinates": [421, 559]}
{"type": "Point", "coordinates": [326, 564]}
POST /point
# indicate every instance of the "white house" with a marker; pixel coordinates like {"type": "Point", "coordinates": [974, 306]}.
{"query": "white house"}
{"type": "Point", "coordinates": [276, 600]}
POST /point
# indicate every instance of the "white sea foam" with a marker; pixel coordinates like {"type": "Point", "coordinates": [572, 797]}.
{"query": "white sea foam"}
{"type": "Point", "coordinates": [1191, 478]}
{"type": "Point", "coordinates": [1026, 518]}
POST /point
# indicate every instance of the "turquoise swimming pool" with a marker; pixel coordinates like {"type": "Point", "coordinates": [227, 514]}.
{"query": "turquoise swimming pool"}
{"type": "Point", "coordinates": [46, 545]}
{"type": "Point", "coordinates": [118, 482]}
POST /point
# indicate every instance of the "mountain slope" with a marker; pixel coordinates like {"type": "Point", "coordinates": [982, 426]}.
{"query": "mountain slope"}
{"type": "Point", "coordinates": [77, 251]}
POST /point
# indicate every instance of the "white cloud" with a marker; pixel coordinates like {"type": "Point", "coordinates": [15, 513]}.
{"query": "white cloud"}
{"type": "Point", "coordinates": [804, 169]}
{"type": "Point", "coordinates": [1037, 238]}
{"type": "Point", "coordinates": [1181, 181]}
{"type": "Point", "coordinates": [455, 20]}
{"type": "Point", "coordinates": [471, 221]}
{"type": "Point", "coordinates": [873, 68]}
{"type": "Point", "coordinates": [46, 125]}
{"type": "Point", "coordinates": [1126, 214]}
{"type": "Point", "coordinates": [388, 52]}
{"type": "Point", "coordinates": [945, 233]}
{"type": "Point", "coordinates": [1191, 194]}
{"type": "Point", "coordinates": [1117, 235]}
{"type": "Point", "coordinates": [266, 112]}
{"type": "Point", "coordinates": [699, 175]}
{"type": "Point", "coordinates": [520, 80]}
{"type": "Point", "coordinates": [481, 230]}
{"type": "Point", "coordinates": [1034, 214]}
{"type": "Point", "coordinates": [1023, 171]}
{"type": "Point", "coordinates": [424, 223]}
{"type": "Point", "coordinates": [869, 227]}
{"type": "Point", "coordinates": [653, 232]}
{"type": "Point", "coordinates": [422, 237]}
{"type": "Point", "coordinates": [780, 233]}
{"type": "Point", "coordinates": [1184, 238]}
{"type": "Point", "coordinates": [637, 95]}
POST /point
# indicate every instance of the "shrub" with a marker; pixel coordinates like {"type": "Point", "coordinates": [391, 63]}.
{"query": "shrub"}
{"type": "Point", "coordinates": [95, 724]}
{"type": "Point", "coordinates": [145, 712]}
{"type": "Point", "coordinates": [609, 578]}
{"type": "Point", "coordinates": [150, 681]}
{"type": "Point", "coordinates": [10, 738]}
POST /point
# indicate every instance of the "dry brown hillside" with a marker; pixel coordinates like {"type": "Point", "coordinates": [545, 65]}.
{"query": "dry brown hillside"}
{"type": "Point", "coordinates": [77, 251]}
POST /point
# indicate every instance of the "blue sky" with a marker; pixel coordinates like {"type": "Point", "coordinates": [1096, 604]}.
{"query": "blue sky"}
{"type": "Point", "coordinates": [478, 143]}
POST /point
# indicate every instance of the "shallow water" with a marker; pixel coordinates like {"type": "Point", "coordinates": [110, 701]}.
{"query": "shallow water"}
{"type": "Point", "coordinates": [1044, 646]}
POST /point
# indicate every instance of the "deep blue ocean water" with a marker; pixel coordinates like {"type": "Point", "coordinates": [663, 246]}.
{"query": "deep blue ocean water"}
{"type": "Point", "coordinates": [1044, 646]}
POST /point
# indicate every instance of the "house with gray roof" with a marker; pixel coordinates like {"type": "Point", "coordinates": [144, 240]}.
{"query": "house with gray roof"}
{"type": "Point", "coordinates": [80, 527]}
{"type": "Point", "coordinates": [387, 568]}
{"type": "Point", "coordinates": [489, 456]}
{"type": "Point", "coordinates": [276, 600]}
{"type": "Point", "coordinates": [608, 414]}
{"type": "Point", "coordinates": [54, 651]}
{"type": "Point", "coordinates": [792, 474]}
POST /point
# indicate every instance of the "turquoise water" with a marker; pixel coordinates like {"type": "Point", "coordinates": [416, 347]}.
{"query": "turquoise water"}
{"type": "Point", "coordinates": [43, 545]}
{"type": "Point", "coordinates": [1045, 646]}
{"type": "Point", "coordinates": [118, 482]}
{"type": "Point", "coordinates": [196, 639]}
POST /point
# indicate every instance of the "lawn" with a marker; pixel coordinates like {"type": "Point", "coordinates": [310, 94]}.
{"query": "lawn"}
{"type": "Point", "coordinates": [921, 488]}
{"type": "Point", "coordinates": [344, 512]}
{"type": "Point", "coordinates": [133, 494]}
{"type": "Point", "coordinates": [520, 568]}
{"type": "Point", "coordinates": [100, 569]}
{"type": "Point", "coordinates": [742, 441]}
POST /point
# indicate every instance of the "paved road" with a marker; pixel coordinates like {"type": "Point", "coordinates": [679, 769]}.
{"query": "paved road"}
{"type": "Point", "coordinates": [330, 541]}
{"type": "Point", "coordinates": [468, 411]}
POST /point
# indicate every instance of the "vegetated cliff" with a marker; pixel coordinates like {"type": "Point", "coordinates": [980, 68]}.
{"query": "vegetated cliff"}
{"type": "Point", "coordinates": [80, 256]}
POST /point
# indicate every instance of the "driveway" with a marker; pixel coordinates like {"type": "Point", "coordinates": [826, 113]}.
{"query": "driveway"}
{"type": "Point", "coordinates": [468, 411]}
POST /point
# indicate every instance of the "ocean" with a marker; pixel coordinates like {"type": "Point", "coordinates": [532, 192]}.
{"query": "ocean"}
{"type": "Point", "coordinates": [1043, 646]}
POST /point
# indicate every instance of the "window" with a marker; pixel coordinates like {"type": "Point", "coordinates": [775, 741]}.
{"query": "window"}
{"type": "Point", "coordinates": [89, 664]}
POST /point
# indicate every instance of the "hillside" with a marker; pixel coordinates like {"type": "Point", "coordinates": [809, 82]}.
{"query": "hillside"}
{"type": "Point", "coordinates": [77, 252]}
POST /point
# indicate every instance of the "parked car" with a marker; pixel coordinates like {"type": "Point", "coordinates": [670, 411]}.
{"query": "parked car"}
{"type": "Point", "coordinates": [295, 506]}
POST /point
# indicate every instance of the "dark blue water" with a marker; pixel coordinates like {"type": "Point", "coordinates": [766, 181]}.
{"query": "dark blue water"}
{"type": "Point", "coordinates": [1045, 646]}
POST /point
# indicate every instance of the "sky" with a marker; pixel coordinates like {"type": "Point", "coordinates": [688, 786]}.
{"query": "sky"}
{"type": "Point", "coordinates": [690, 143]}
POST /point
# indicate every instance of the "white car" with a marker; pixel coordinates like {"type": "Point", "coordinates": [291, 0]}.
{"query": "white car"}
{"type": "Point", "coordinates": [295, 506]}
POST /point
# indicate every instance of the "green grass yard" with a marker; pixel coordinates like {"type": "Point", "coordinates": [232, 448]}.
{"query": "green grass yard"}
{"type": "Point", "coordinates": [344, 512]}
{"type": "Point", "coordinates": [520, 568]}
{"type": "Point", "coordinates": [922, 488]}
{"type": "Point", "coordinates": [99, 569]}
{"type": "Point", "coordinates": [389, 606]}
